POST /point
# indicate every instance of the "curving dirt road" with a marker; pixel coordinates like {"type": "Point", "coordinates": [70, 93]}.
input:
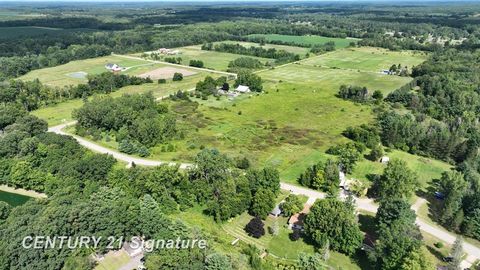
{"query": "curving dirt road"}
{"type": "Point", "coordinates": [103, 150]}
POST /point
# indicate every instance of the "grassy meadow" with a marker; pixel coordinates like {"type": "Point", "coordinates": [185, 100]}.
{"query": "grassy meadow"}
{"type": "Point", "coordinates": [62, 112]}
{"type": "Point", "coordinates": [212, 60]}
{"type": "Point", "coordinates": [291, 124]}
{"type": "Point", "coordinates": [64, 75]}
{"type": "Point", "coordinates": [307, 40]}
{"type": "Point", "coordinates": [367, 59]}
{"type": "Point", "coordinates": [302, 51]}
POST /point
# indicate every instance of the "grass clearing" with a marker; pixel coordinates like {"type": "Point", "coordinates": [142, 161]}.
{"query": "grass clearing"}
{"type": "Point", "coordinates": [211, 59]}
{"type": "Point", "coordinates": [302, 51]}
{"type": "Point", "coordinates": [113, 260]}
{"type": "Point", "coordinates": [367, 59]}
{"type": "Point", "coordinates": [62, 112]}
{"type": "Point", "coordinates": [288, 127]}
{"type": "Point", "coordinates": [62, 75]}
{"type": "Point", "coordinates": [307, 40]}
{"type": "Point", "coordinates": [427, 169]}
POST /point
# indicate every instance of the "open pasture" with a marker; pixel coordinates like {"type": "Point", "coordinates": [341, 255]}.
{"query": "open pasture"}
{"type": "Point", "coordinates": [302, 51]}
{"type": "Point", "coordinates": [289, 126]}
{"type": "Point", "coordinates": [67, 74]}
{"type": "Point", "coordinates": [367, 59]}
{"type": "Point", "coordinates": [211, 59]}
{"type": "Point", "coordinates": [62, 112]}
{"type": "Point", "coordinates": [330, 79]}
{"type": "Point", "coordinates": [307, 40]}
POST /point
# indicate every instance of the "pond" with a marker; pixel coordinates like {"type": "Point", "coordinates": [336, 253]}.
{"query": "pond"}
{"type": "Point", "coordinates": [13, 199]}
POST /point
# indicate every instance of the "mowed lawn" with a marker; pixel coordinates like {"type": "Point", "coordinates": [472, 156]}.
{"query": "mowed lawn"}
{"type": "Point", "coordinates": [331, 79]}
{"type": "Point", "coordinates": [113, 260]}
{"type": "Point", "coordinates": [66, 74]}
{"type": "Point", "coordinates": [367, 59]}
{"type": "Point", "coordinates": [211, 59]}
{"type": "Point", "coordinates": [307, 40]}
{"type": "Point", "coordinates": [426, 169]}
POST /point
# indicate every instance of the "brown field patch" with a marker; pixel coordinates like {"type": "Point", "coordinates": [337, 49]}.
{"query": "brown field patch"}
{"type": "Point", "coordinates": [166, 73]}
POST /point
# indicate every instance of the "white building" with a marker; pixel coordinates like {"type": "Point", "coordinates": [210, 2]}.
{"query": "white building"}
{"type": "Point", "coordinates": [243, 89]}
{"type": "Point", "coordinates": [113, 67]}
{"type": "Point", "coordinates": [384, 159]}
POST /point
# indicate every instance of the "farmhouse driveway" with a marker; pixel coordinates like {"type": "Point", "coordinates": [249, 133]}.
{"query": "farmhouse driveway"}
{"type": "Point", "coordinates": [473, 252]}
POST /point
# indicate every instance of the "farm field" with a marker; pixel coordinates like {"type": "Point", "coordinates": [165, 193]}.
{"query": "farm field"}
{"type": "Point", "coordinates": [302, 51]}
{"type": "Point", "coordinates": [307, 40]}
{"type": "Point", "coordinates": [367, 59]}
{"type": "Point", "coordinates": [75, 72]}
{"type": "Point", "coordinates": [289, 127]}
{"type": "Point", "coordinates": [211, 59]}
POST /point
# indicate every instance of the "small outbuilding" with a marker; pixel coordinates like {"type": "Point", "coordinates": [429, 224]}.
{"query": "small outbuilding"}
{"type": "Point", "coordinates": [384, 160]}
{"type": "Point", "coordinates": [243, 89]}
{"type": "Point", "coordinates": [277, 211]}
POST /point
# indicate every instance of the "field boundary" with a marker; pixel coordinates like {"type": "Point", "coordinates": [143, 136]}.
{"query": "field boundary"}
{"type": "Point", "coordinates": [177, 65]}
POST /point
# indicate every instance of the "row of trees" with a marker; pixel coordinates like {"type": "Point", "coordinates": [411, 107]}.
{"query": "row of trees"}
{"type": "Point", "coordinates": [279, 55]}
{"type": "Point", "coordinates": [322, 176]}
{"type": "Point", "coordinates": [244, 63]}
{"type": "Point", "coordinates": [358, 94]}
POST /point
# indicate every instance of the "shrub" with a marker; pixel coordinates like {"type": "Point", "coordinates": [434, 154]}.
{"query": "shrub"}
{"type": "Point", "coordinates": [177, 76]}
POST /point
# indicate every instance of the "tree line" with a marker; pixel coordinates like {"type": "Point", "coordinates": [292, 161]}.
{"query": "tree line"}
{"type": "Point", "coordinates": [280, 56]}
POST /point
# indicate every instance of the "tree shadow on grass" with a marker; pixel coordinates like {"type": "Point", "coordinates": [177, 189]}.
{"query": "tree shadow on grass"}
{"type": "Point", "coordinates": [361, 259]}
{"type": "Point", "coordinates": [434, 204]}
{"type": "Point", "coordinates": [367, 224]}
{"type": "Point", "coordinates": [435, 253]}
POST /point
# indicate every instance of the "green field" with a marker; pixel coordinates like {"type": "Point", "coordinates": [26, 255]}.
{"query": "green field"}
{"type": "Point", "coordinates": [367, 59]}
{"type": "Point", "coordinates": [113, 260]}
{"type": "Point", "coordinates": [293, 49]}
{"type": "Point", "coordinates": [427, 169]}
{"type": "Point", "coordinates": [307, 40]}
{"type": "Point", "coordinates": [289, 126]}
{"type": "Point", "coordinates": [62, 112]}
{"type": "Point", "coordinates": [63, 75]}
{"type": "Point", "coordinates": [211, 59]}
